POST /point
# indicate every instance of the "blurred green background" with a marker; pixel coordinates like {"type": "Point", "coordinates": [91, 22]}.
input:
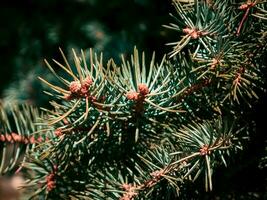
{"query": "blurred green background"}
{"type": "Point", "coordinates": [34, 30]}
{"type": "Point", "coordinates": [31, 30]}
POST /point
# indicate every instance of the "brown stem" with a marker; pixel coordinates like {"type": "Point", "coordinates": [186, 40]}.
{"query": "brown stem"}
{"type": "Point", "coordinates": [194, 88]}
{"type": "Point", "coordinates": [159, 174]}
{"type": "Point", "coordinates": [242, 21]}
{"type": "Point", "coordinates": [14, 137]}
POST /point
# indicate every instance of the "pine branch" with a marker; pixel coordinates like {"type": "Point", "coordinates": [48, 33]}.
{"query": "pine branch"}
{"type": "Point", "coordinates": [147, 130]}
{"type": "Point", "coordinates": [18, 134]}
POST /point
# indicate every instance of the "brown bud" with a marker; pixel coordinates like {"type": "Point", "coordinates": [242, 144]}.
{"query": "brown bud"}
{"type": "Point", "coordinates": [39, 139]}
{"type": "Point", "coordinates": [8, 138]}
{"type": "Point", "coordinates": [16, 137]}
{"type": "Point", "coordinates": [187, 30]}
{"type": "Point", "coordinates": [204, 150]}
{"type": "Point", "coordinates": [194, 34]}
{"type": "Point", "coordinates": [75, 87]}
{"type": "Point", "coordinates": [32, 140]}
{"type": "Point", "coordinates": [132, 95]}
{"type": "Point", "coordinates": [87, 82]}
{"type": "Point", "coordinates": [243, 7]}
{"type": "Point", "coordinates": [2, 138]}
{"type": "Point", "coordinates": [84, 90]}
{"type": "Point", "coordinates": [143, 89]}
{"type": "Point", "coordinates": [58, 132]}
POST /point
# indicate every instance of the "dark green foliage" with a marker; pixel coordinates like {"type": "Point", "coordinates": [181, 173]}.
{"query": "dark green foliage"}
{"type": "Point", "coordinates": [144, 128]}
{"type": "Point", "coordinates": [32, 30]}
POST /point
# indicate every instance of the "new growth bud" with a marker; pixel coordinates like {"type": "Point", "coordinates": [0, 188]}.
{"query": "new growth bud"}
{"type": "Point", "coordinates": [50, 182]}
{"type": "Point", "coordinates": [132, 95]}
{"type": "Point", "coordinates": [143, 89]}
{"type": "Point", "coordinates": [58, 132]}
{"type": "Point", "coordinates": [204, 150]}
{"type": "Point", "coordinates": [79, 89]}
{"type": "Point", "coordinates": [75, 87]}
{"type": "Point", "coordinates": [87, 82]}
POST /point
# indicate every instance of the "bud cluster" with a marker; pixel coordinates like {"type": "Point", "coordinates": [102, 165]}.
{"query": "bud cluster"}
{"type": "Point", "coordinates": [79, 89]}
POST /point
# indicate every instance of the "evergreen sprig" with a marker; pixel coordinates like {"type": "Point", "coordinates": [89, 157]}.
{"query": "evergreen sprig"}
{"type": "Point", "coordinates": [20, 132]}
{"type": "Point", "coordinates": [148, 130]}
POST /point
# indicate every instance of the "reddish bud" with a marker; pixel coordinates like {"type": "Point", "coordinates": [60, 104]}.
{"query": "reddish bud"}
{"type": "Point", "coordinates": [32, 140]}
{"type": "Point", "coordinates": [126, 186]}
{"type": "Point", "coordinates": [243, 7]}
{"type": "Point", "coordinates": [50, 182]}
{"type": "Point", "coordinates": [16, 137]}
{"type": "Point", "coordinates": [51, 185]}
{"type": "Point", "coordinates": [130, 192]}
{"type": "Point", "coordinates": [204, 150]}
{"type": "Point", "coordinates": [132, 95]}
{"type": "Point", "coordinates": [125, 197]}
{"type": "Point", "coordinates": [194, 34]}
{"type": "Point", "coordinates": [247, 5]}
{"type": "Point", "coordinates": [75, 87]}
{"type": "Point", "coordinates": [157, 174]}
{"type": "Point", "coordinates": [8, 138]}
{"type": "Point", "coordinates": [2, 138]}
{"type": "Point", "coordinates": [87, 82]}
{"type": "Point", "coordinates": [143, 89]}
{"type": "Point", "coordinates": [84, 90]}
{"type": "Point", "coordinates": [58, 132]}
{"type": "Point", "coordinates": [39, 139]}
{"type": "Point", "coordinates": [187, 30]}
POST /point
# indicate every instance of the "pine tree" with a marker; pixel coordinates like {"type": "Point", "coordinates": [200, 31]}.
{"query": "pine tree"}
{"type": "Point", "coordinates": [143, 129]}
